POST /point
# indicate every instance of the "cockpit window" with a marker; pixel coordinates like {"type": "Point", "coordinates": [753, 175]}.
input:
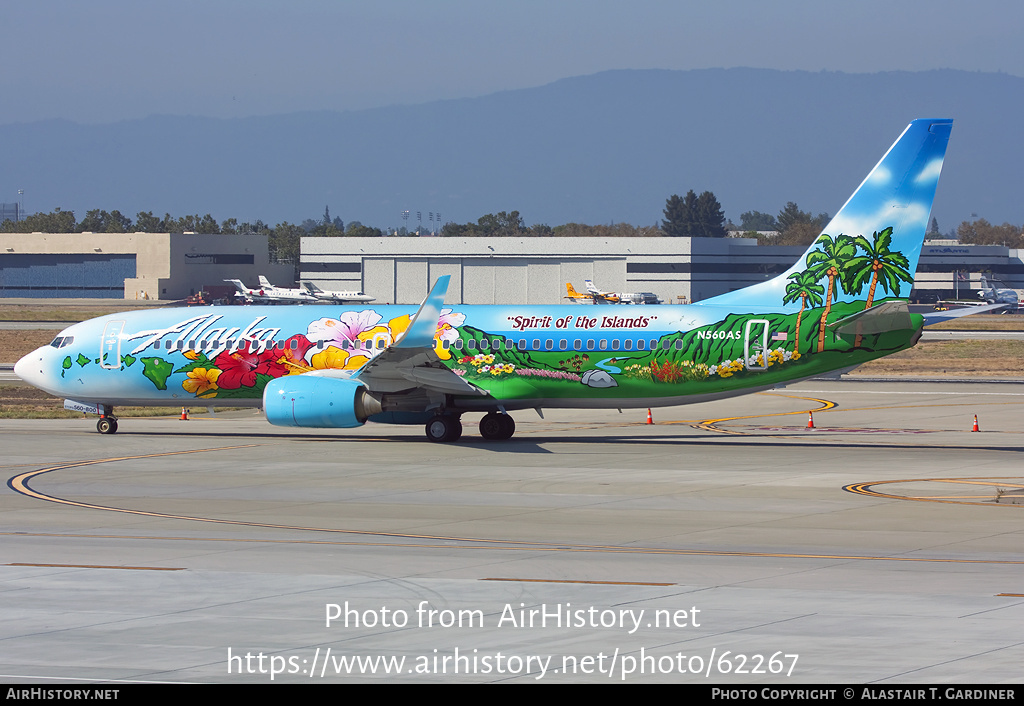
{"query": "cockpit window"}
{"type": "Point", "coordinates": [62, 341]}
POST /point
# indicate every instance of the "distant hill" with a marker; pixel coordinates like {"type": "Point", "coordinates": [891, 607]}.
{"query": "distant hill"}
{"type": "Point", "coordinates": [604, 148]}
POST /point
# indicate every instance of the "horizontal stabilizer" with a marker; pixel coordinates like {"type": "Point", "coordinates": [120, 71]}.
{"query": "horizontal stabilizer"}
{"type": "Point", "coordinates": [937, 317]}
{"type": "Point", "coordinates": [890, 316]}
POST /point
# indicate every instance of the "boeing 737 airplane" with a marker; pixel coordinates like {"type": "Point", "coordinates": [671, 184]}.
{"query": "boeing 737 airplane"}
{"type": "Point", "coordinates": [843, 303]}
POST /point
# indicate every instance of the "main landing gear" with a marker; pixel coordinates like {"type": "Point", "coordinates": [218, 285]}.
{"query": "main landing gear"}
{"type": "Point", "coordinates": [497, 427]}
{"type": "Point", "coordinates": [444, 428]}
{"type": "Point", "coordinates": [494, 426]}
{"type": "Point", "coordinates": [107, 424]}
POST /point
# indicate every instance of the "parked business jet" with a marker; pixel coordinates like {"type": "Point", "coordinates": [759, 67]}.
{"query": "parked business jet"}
{"type": "Point", "coordinates": [622, 297]}
{"type": "Point", "coordinates": [286, 294]}
{"type": "Point", "coordinates": [336, 297]}
{"type": "Point", "coordinates": [596, 296]}
{"type": "Point", "coordinates": [269, 294]}
{"type": "Point", "coordinates": [1000, 295]}
{"type": "Point", "coordinates": [843, 303]}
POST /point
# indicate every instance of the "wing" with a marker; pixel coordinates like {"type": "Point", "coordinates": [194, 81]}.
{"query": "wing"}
{"type": "Point", "coordinates": [411, 361]}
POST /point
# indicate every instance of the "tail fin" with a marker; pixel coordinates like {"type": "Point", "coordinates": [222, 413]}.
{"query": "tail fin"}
{"type": "Point", "coordinates": [571, 292]}
{"type": "Point", "coordinates": [238, 285]}
{"type": "Point", "coordinates": [311, 288]}
{"type": "Point", "coordinates": [887, 215]}
{"type": "Point", "coordinates": [590, 287]}
{"type": "Point", "coordinates": [265, 283]}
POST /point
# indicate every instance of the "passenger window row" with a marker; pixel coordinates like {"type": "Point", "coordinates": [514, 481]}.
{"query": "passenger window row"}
{"type": "Point", "coordinates": [203, 344]}
{"type": "Point", "coordinates": [380, 343]}
{"type": "Point", "coordinates": [549, 344]}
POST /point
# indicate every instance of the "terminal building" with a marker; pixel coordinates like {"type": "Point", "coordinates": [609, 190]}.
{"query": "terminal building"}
{"type": "Point", "coordinates": [171, 266]}
{"type": "Point", "coordinates": [948, 270]}
{"type": "Point", "coordinates": [167, 266]}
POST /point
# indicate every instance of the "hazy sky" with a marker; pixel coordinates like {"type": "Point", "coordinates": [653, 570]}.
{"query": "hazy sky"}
{"type": "Point", "coordinates": [109, 60]}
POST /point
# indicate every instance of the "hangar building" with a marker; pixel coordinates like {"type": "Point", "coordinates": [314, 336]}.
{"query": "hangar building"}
{"type": "Point", "coordinates": [535, 270]}
{"type": "Point", "coordinates": [130, 265]}
{"type": "Point", "coordinates": [171, 266]}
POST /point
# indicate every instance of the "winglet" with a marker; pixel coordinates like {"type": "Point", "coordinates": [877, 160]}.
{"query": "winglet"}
{"type": "Point", "coordinates": [423, 326]}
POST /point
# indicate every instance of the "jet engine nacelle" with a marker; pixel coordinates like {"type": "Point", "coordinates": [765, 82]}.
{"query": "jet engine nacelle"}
{"type": "Point", "coordinates": [320, 402]}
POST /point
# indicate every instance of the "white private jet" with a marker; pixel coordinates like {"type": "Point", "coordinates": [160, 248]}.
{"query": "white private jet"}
{"type": "Point", "coordinates": [1000, 295]}
{"type": "Point", "coordinates": [620, 297]}
{"type": "Point", "coordinates": [269, 294]}
{"type": "Point", "coordinates": [337, 297]}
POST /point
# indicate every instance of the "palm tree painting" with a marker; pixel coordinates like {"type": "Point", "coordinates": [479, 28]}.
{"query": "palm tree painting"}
{"type": "Point", "coordinates": [879, 264]}
{"type": "Point", "coordinates": [804, 287]}
{"type": "Point", "coordinates": [830, 260]}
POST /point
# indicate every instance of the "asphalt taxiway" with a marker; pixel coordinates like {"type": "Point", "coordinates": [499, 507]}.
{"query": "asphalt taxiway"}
{"type": "Point", "coordinates": [725, 543]}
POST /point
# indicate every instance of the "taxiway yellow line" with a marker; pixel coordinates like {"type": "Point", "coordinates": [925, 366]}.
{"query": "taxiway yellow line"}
{"type": "Point", "coordinates": [866, 489]}
{"type": "Point", "coordinates": [709, 424]}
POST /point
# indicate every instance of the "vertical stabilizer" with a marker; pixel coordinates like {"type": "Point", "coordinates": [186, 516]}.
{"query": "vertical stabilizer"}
{"type": "Point", "coordinates": [886, 217]}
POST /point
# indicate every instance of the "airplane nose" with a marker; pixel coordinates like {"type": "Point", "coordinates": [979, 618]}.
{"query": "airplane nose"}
{"type": "Point", "coordinates": [30, 368]}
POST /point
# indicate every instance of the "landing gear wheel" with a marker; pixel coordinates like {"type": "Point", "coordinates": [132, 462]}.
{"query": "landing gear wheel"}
{"type": "Point", "coordinates": [457, 429]}
{"type": "Point", "coordinates": [106, 425]}
{"type": "Point", "coordinates": [497, 427]}
{"type": "Point", "coordinates": [508, 427]}
{"type": "Point", "coordinates": [444, 428]}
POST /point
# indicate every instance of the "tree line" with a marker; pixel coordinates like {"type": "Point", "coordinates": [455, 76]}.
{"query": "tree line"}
{"type": "Point", "coordinates": [511, 224]}
{"type": "Point", "coordinates": [692, 215]}
{"type": "Point", "coordinates": [283, 239]}
{"type": "Point", "coordinates": [981, 232]}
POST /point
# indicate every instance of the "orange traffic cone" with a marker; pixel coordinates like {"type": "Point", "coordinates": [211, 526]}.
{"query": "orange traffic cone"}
{"type": "Point", "coordinates": [184, 414]}
{"type": "Point", "coordinates": [975, 428]}
{"type": "Point", "coordinates": [810, 420]}
{"type": "Point", "coordinates": [650, 420]}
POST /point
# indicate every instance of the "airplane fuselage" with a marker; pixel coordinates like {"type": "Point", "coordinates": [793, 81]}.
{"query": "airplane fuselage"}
{"type": "Point", "coordinates": [520, 356]}
{"type": "Point", "coordinates": [1001, 296]}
